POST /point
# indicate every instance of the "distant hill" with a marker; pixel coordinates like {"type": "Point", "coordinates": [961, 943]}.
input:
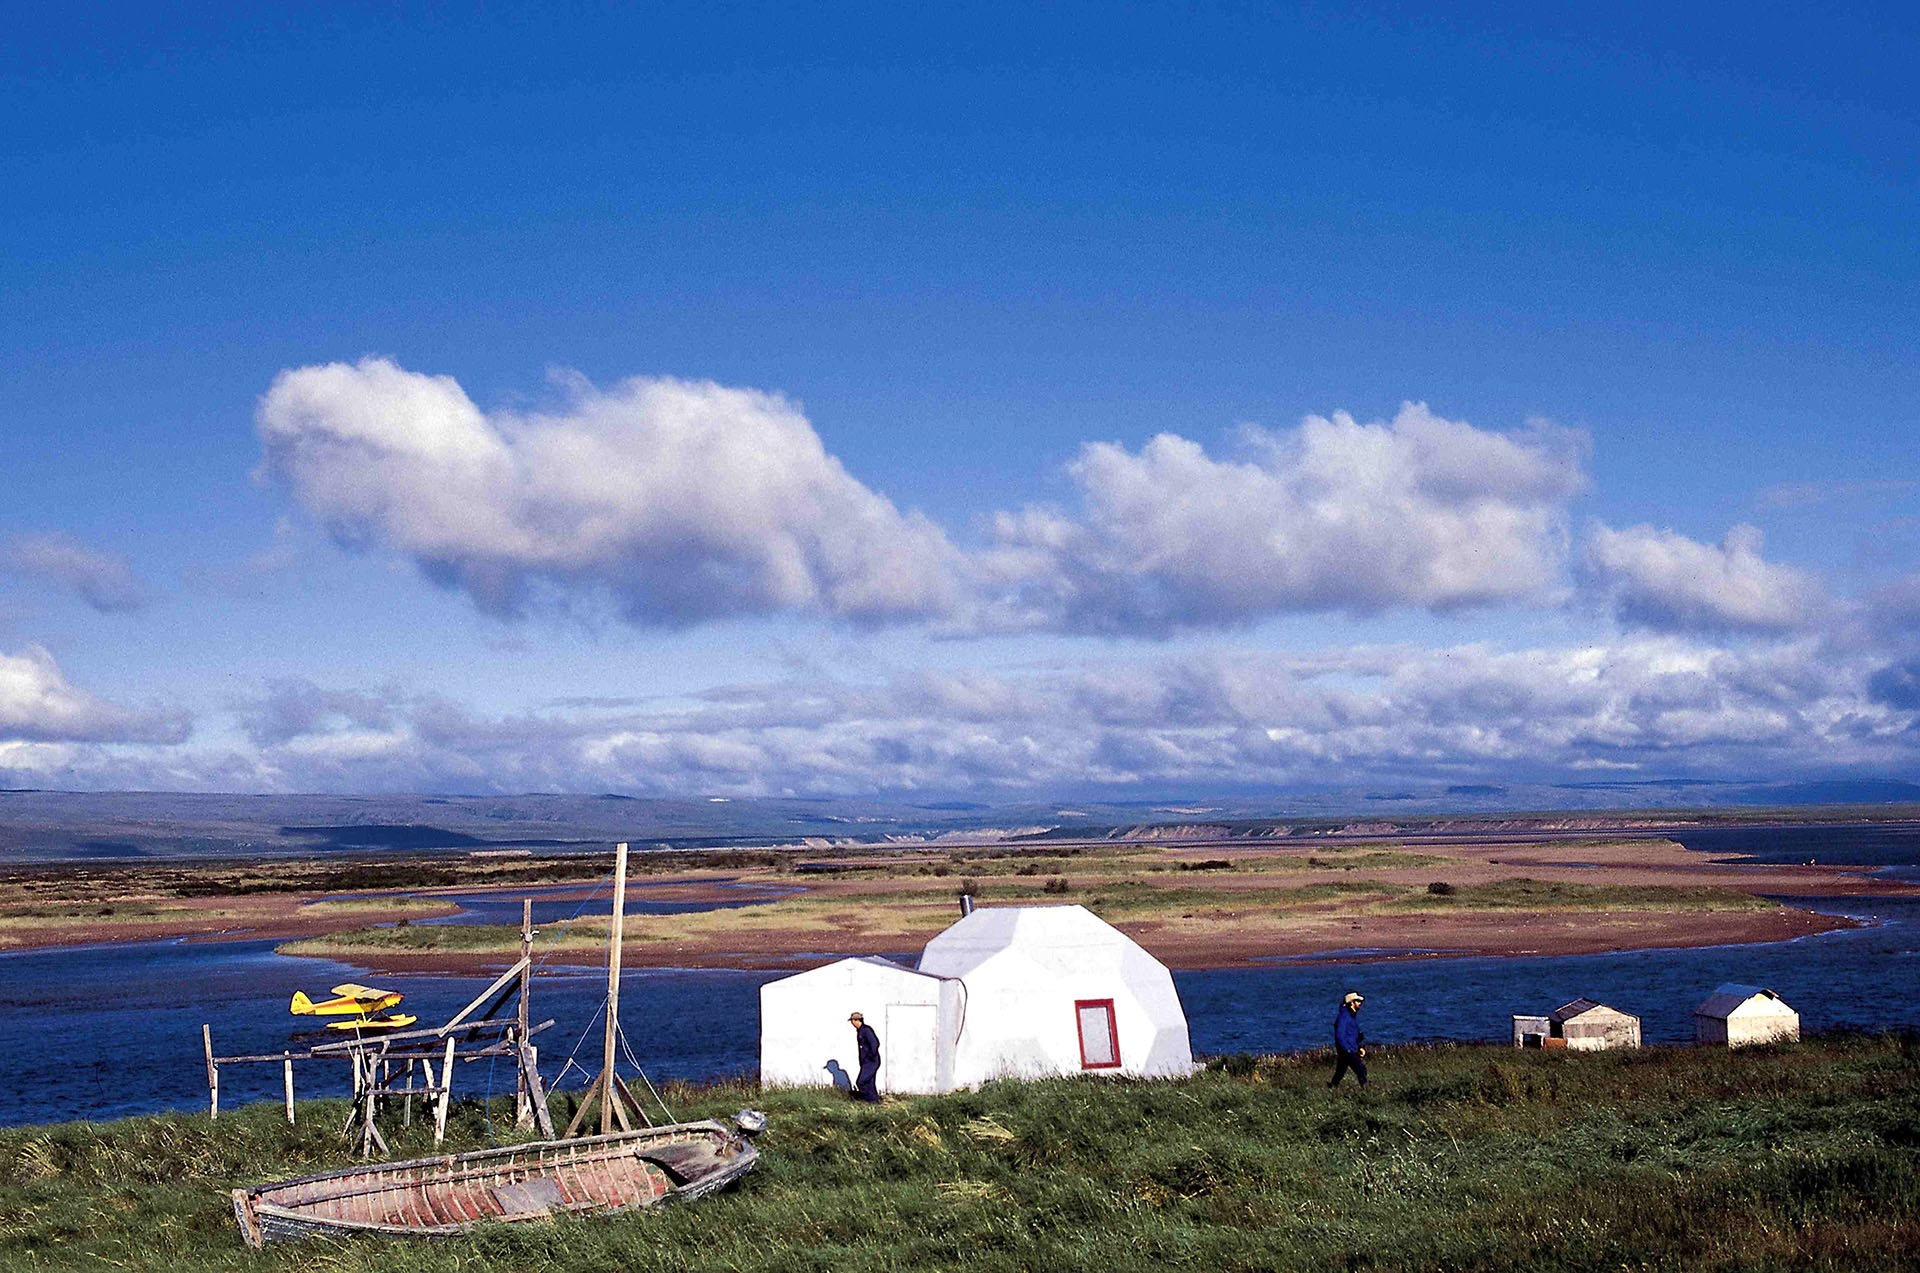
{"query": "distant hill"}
{"type": "Point", "coordinates": [105, 826]}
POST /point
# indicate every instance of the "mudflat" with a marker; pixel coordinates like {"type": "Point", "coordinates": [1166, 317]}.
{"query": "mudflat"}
{"type": "Point", "coordinates": [1195, 903]}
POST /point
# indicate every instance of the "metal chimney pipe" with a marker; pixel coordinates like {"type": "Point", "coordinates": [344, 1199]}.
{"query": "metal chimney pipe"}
{"type": "Point", "coordinates": [966, 905]}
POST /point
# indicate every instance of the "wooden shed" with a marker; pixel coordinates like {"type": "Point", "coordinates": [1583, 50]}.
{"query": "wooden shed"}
{"type": "Point", "coordinates": [1735, 1015]}
{"type": "Point", "coordinates": [1584, 1025]}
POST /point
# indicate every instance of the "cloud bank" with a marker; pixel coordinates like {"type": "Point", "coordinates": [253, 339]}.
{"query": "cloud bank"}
{"type": "Point", "coordinates": [1652, 706]}
{"type": "Point", "coordinates": [689, 501]}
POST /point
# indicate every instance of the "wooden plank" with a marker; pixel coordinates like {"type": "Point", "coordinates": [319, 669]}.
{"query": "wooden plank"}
{"type": "Point", "coordinates": [446, 1085]}
{"type": "Point", "coordinates": [499, 983]}
{"type": "Point", "coordinates": [286, 1075]}
{"type": "Point", "coordinates": [615, 933]}
{"type": "Point", "coordinates": [523, 1100]}
{"type": "Point", "coordinates": [638, 1109]}
{"type": "Point", "coordinates": [408, 1036]}
{"type": "Point", "coordinates": [213, 1073]}
{"type": "Point", "coordinates": [536, 1090]}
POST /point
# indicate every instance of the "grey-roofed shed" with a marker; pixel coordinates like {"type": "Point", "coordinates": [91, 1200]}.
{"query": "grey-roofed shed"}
{"type": "Point", "coordinates": [1737, 1015]}
{"type": "Point", "coordinates": [1583, 1025]}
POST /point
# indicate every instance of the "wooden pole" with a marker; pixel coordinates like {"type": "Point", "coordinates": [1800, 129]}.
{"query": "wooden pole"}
{"type": "Point", "coordinates": [499, 983]}
{"type": "Point", "coordinates": [602, 1088]}
{"type": "Point", "coordinates": [614, 937]}
{"type": "Point", "coordinates": [536, 1091]}
{"type": "Point", "coordinates": [286, 1078]}
{"type": "Point", "coordinates": [523, 1101]}
{"type": "Point", "coordinates": [213, 1073]}
{"type": "Point", "coordinates": [446, 1090]}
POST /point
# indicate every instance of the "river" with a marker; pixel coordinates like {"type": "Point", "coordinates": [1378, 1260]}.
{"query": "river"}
{"type": "Point", "coordinates": [104, 1031]}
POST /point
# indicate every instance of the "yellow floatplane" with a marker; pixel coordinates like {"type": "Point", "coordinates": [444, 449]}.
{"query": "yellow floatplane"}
{"type": "Point", "coordinates": [357, 1003]}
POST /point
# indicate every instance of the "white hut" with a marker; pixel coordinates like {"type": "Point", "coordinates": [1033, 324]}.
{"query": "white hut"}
{"type": "Point", "coordinates": [1058, 990]}
{"type": "Point", "coordinates": [1014, 991]}
{"type": "Point", "coordinates": [1736, 1015]}
{"type": "Point", "coordinates": [805, 1040]}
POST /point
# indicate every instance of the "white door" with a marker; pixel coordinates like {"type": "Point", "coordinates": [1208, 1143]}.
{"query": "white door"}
{"type": "Point", "coordinates": [908, 1060]}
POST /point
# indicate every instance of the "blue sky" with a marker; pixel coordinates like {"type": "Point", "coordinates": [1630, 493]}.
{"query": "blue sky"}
{"type": "Point", "coordinates": [963, 248]}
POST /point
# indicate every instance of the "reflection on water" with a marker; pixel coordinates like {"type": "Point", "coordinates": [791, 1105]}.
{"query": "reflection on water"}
{"type": "Point", "coordinates": [104, 1031]}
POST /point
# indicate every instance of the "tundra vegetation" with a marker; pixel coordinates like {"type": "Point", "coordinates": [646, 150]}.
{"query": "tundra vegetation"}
{"type": "Point", "coordinates": [898, 903]}
{"type": "Point", "coordinates": [1804, 1156]}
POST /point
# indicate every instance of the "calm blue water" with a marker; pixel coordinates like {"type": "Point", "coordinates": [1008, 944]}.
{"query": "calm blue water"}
{"type": "Point", "coordinates": [1892, 848]}
{"type": "Point", "coordinates": [104, 1031]}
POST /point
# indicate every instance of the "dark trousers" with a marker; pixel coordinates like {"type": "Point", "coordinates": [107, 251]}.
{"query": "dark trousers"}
{"type": "Point", "coordinates": [1343, 1061]}
{"type": "Point", "coordinates": [864, 1089]}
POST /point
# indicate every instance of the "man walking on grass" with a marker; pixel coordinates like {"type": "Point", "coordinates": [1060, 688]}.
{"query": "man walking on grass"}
{"type": "Point", "coordinates": [1348, 1054]}
{"type": "Point", "coordinates": [869, 1045]}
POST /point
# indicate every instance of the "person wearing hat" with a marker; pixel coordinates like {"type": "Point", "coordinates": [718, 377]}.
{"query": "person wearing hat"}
{"type": "Point", "coordinates": [869, 1045]}
{"type": "Point", "coordinates": [1347, 1052]}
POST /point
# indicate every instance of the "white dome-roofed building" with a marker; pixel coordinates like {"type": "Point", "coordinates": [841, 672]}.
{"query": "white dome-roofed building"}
{"type": "Point", "coordinates": [805, 1040]}
{"type": "Point", "coordinates": [1057, 990]}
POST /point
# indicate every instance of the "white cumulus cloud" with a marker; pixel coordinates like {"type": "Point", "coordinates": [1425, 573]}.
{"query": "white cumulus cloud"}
{"type": "Point", "coordinates": [38, 705]}
{"type": "Point", "coordinates": [687, 501]}
{"type": "Point", "coordinates": [1335, 515]}
{"type": "Point", "coordinates": [1662, 579]}
{"type": "Point", "coordinates": [680, 500]}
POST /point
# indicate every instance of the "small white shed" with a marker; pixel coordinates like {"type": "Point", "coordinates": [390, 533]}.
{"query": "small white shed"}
{"type": "Point", "coordinates": [1058, 990]}
{"type": "Point", "coordinates": [805, 1040]}
{"type": "Point", "coordinates": [1735, 1015]}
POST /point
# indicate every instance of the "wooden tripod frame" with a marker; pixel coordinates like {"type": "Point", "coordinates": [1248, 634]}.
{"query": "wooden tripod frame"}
{"type": "Point", "coordinates": [607, 1090]}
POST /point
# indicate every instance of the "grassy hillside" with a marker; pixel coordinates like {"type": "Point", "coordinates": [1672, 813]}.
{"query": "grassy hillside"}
{"type": "Point", "coordinates": [1458, 1158]}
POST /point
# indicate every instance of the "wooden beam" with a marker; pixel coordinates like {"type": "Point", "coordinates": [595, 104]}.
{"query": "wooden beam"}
{"type": "Point", "coordinates": [498, 1047]}
{"type": "Point", "coordinates": [536, 1090]}
{"type": "Point", "coordinates": [400, 1036]}
{"type": "Point", "coordinates": [446, 1090]}
{"type": "Point", "coordinates": [614, 936]}
{"type": "Point", "coordinates": [486, 994]}
{"type": "Point", "coordinates": [213, 1073]}
{"type": "Point", "coordinates": [523, 1100]}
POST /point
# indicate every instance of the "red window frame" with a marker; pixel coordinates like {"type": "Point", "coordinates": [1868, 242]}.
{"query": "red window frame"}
{"type": "Point", "coordinates": [1113, 1034]}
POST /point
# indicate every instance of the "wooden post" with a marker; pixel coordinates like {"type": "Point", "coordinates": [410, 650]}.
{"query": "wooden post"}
{"type": "Point", "coordinates": [446, 1090]}
{"type": "Point", "coordinates": [614, 938]}
{"type": "Point", "coordinates": [353, 1058]}
{"type": "Point", "coordinates": [523, 1098]}
{"type": "Point", "coordinates": [406, 1107]}
{"type": "Point", "coordinates": [604, 1087]}
{"type": "Point", "coordinates": [286, 1078]}
{"type": "Point", "coordinates": [213, 1073]}
{"type": "Point", "coordinates": [536, 1090]}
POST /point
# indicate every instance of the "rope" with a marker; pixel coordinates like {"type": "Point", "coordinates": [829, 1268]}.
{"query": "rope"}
{"type": "Point", "coordinates": [488, 1107]}
{"type": "Point", "coordinates": [558, 933]}
{"type": "Point", "coordinates": [621, 1035]}
{"type": "Point", "coordinates": [579, 1042]}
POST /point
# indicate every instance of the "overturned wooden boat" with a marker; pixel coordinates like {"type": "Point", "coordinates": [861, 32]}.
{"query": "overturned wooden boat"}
{"type": "Point", "coordinates": [451, 1194]}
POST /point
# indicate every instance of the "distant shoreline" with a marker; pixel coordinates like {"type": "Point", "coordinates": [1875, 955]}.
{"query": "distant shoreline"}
{"type": "Point", "coordinates": [1201, 903]}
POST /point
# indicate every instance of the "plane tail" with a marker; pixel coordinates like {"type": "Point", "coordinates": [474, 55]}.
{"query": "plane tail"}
{"type": "Point", "coordinates": [302, 1006]}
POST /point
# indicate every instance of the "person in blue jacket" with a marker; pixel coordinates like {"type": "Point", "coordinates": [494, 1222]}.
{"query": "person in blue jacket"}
{"type": "Point", "coordinates": [869, 1045]}
{"type": "Point", "coordinates": [1348, 1054]}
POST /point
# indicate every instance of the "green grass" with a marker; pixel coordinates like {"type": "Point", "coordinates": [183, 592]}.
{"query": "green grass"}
{"type": "Point", "coordinates": [1458, 1158]}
